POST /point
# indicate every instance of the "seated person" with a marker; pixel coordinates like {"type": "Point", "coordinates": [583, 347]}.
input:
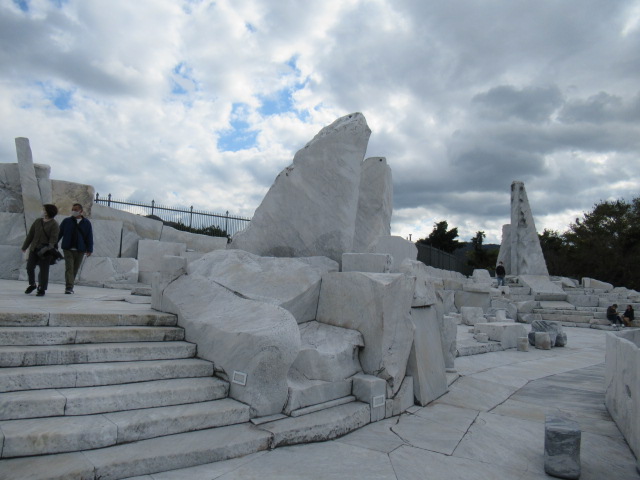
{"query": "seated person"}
{"type": "Point", "coordinates": [628, 316]}
{"type": "Point", "coordinates": [612, 314]}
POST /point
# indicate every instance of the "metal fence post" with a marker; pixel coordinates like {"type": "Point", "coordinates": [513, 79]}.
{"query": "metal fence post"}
{"type": "Point", "coordinates": [226, 223]}
{"type": "Point", "coordinates": [109, 200]}
{"type": "Point", "coordinates": [190, 215]}
{"type": "Point", "coordinates": [153, 202]}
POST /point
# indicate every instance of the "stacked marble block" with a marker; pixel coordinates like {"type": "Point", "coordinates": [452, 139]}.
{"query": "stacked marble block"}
{"type": "Point", "coordinates": [295, 335]}
{"type": "Point", "coordinates": [545, 335]}
{"type": "Point", "coordinates": [498, 329]}
{"type": "Point", "coordinates": [409, 354]}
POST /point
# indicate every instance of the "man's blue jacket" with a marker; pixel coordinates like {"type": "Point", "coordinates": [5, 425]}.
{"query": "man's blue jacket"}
{"type": "Point", "coordinates": [78, 235]}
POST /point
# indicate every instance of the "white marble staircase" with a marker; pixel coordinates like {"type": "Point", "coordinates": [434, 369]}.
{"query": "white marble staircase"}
{"type": "Point", "coordinates": [114, 395]}
{"type": "Point", "coordinates": [111, 386]}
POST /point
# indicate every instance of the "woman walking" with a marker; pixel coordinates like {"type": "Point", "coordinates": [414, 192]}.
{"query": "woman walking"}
{"type": "Point", "coordinates": [44, 231]}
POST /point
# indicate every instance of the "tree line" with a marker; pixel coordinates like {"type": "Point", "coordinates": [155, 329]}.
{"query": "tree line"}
{"type": "Point", "coordinates": [604, 244]}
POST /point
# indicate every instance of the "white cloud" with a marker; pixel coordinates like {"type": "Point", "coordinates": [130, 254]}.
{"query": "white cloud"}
{"type": "Point", "coordinates": [203, 103]}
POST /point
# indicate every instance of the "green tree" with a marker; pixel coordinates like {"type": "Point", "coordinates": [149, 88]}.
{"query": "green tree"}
{"type": "Point", "coordinates": [555, 252]}
{"type": "Point", "coordinates": [442, 238]}
{"type": "Point", "coordinates": [479, 256]}
{"type": "Point", "coordinates": [605, 244]}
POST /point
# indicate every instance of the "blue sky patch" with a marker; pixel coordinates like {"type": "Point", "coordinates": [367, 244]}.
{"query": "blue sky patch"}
{"type": "Point", "coordinates": [22, 5]}
{"type": "Point", "coordinates": [239, 136]}
{"type": "Point", "coordinates": [59, 97]}
{"type": "Point", "coordinates": [178, 85]}
{"type": "Point", "coordinates": [177, 89]}
{"type": "Point", "coordinates": [280, 102]}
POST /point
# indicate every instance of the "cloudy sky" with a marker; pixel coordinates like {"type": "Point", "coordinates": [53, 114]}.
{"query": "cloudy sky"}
{"type": "Point", "coordinates": [200, 102]}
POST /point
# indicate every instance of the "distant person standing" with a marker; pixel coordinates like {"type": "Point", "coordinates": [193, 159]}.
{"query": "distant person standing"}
{"type": "Point", "coordinates": [43, 232]}
{"type": "Point", "coordinates": [77, 241]}
{"type": "Point", "coordinates": [500, 274]}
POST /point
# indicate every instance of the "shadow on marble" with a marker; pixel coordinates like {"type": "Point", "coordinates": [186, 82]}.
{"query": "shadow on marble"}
{"type": "Point", "coordinates": [375, 436]}
{"type": "Point", "coordinates": [467, 392]}
{"type": "Point", "coordinates": [412, 463]}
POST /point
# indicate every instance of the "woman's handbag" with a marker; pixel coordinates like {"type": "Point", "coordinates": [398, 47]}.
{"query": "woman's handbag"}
{"type": "Point", "coordinates": [47, 251]}
{"type": "Point", "coordinates": [43, 250]}
{"type": "Point", "coordinates": [55, 255]}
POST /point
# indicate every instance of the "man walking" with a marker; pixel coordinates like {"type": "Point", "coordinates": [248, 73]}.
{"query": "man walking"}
{"type": "Point", "coordinates": [77, 241]}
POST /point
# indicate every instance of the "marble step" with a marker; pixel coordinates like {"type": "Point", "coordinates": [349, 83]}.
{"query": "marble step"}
{"type": "Point", "coordinates": [16, 356]}
{"type": "Point", "coordinates": [520, 298]}
{"type": "Point", "coordinates": [143, 457]}
{"type": "Point", "coordinates": [183, 450]}
{"type": "Point", "coordinates": [110, 398]}
{"type": "Point", "coordinates": [71, 335]}
{"type": "Point", "coordinates": [41, 436]}
{"type": "Point", "coordinates": [97, 374]}
{"type": "Point", "coordinates": [519, 290]}
{"type": "Point", "coordinates": [10, 318]}
{"type": "Point", "coordinates": [565, 317]}
{"type": "Point", "coordinates": [560, 311]}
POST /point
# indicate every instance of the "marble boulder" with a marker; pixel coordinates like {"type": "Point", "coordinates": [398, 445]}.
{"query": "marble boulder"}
{"type": "Point", "coordinates": [367, 262]}
{"type": "Point", "coordinates": [399, 248]}
{"type": "Point", "coordinates": [328, 353]}
{"type": "Point", "coordinates": [134, 228]}
{"type": "Point", "coordinates": [425, 293]}
{"type": "Point", "coordinates": [472, 315]}
{"type": "Point", "coordinates": [426, 363]}
{"type": "Point", "coordinates": [251, 343]}
{"type": "Point", "coordinates": [193, 241]}
{"type": "Point", "coordinates": [12, 229]}
{"type": "Point", "coordinates": [555, 330]}
{"type": "Point", "coordinates": [375, 203]}
{"type": "Point", "coordinates": [293, 284]}
{"type": "Point", "coordinates": [311, 207]}
{"type": "Point", "coordinates": [151, 256]}
{"type": "Point", "coordinates": [65, 194]}
{"type": "Point", "coordinates": [378, 306]}
{"type": "Point", "coordinates": [10, 191]}
{"type": "Point", "coordinates": [12, 260]}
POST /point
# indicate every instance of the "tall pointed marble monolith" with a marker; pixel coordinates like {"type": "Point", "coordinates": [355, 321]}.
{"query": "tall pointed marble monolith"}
{"type": "Point", "coordinates": [31, 198]}
{"type": "Point", "coordinates": [311, 207]}
{"type": "Point", "coordinates": [525, 252]}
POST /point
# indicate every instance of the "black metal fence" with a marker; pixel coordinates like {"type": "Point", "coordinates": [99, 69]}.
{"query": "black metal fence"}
{"type": "Point", "coordinates": [439, 259]}
{"type": "Point", "coordinates": [190, 217]}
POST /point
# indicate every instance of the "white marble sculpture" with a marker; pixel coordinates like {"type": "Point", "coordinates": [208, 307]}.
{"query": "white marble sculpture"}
{"type": "Point", "coordinates": [311, 207]}
{"type": "Point", "coordinates": [520, 250]}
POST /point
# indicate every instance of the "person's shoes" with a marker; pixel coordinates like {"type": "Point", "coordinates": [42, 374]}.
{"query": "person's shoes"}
{"type": "Point", "coordinates": [68, 291]}
{"type": "Point", "coordinates": [40, 293]}
{"type": "Point", "coordinates": [30, 289]}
